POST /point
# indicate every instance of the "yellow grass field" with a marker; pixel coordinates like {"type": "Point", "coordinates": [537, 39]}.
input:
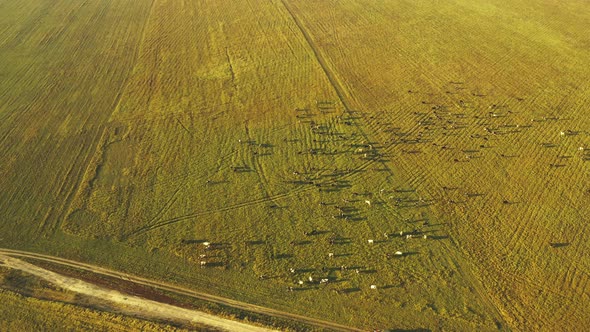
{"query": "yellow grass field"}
{"type": "Point", "coordinates": [287, 134]}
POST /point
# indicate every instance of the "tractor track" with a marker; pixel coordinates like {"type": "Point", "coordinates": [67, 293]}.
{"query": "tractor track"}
{"type": "Point", "coordinates": [387, 148]}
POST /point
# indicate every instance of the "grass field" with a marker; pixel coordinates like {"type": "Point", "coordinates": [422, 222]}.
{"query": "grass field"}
{"type": "Point", "coordinates": [285, 131]}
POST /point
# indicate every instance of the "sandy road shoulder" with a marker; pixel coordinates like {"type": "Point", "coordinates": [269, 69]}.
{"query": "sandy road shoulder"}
{"type": "Point", "coordinates": [130, 304]}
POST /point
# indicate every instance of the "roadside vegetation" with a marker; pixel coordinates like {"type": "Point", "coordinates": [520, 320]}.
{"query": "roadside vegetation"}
{"type": "Point", "coordinates": [21, 313]}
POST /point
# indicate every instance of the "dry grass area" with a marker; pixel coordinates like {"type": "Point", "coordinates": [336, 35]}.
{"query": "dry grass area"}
{"type": "Point", "coordinates": [285, 131]}
{"type": "Point", "coordinates": [108, 299]}
{"type": "Point", "coordinates": [21, 313]}
{"type": "Point", "coordinates": [46, 307]}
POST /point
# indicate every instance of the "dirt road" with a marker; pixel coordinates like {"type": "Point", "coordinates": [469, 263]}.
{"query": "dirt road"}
{"type": "Point", "coordinates": [8, 258]}
{"type": "Point", "coordinates": [130, 304]}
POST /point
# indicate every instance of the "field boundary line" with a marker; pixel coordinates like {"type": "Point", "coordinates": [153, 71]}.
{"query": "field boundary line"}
{"type": "Point", "coordinates": [336, 85]}
{"type": "Point", "coordinates": [341, 95]}
{"type": "Point", "coordinates": [333, 81]}
{"type": "Point", "coordinates": [125, 84]}
{"type": "Point", "coordinates": [49, 229]}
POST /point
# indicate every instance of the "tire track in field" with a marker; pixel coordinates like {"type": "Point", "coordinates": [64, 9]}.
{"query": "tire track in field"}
{"type": "Point", "coordinates": [510, 138]}
{"type": "Point", "coordinates": [517, 234]}
{"type": "Point", "coordinates": [332, 78]}
{"type": "Point", "coordinates": [49, 229]}
{"type": "Point", "coordinates": [540, 287]}
{"type": "Point", "coordinates": [166, 206]}
{"type": "Point", "coordinates": [319, 58]}
{"type": "Point", "coordinates": [137, 53]}
{"type": "Point", "coordinates": [531, 210]}
{"type": "Point", "coordinates": [338, 89]}
{"type": "Point", "coordinates": [340, 92]}
{"type": "Point", "coordinates": [464, 272]}
{"type": "Point", "coordinates": [255, 161]}
{"type": "Point", "coordinates": [51, 222]}
{"type": "Point", "coordinates": [245, 204]}
{"type": "Point", "coordinates": [576, 275]}
{"type": "Point", "coordinates": [269, 198]}
{"type": "Point", "coordinates": [537, 214]}
{"type": "Point", "coordinates": [171, 182]}
{"type": "Point", "coordinates": [523, 233]}
{"type": "Point", "coordinates": [61, 191]}
{"type": "Point", "coordinates": [154, 221]}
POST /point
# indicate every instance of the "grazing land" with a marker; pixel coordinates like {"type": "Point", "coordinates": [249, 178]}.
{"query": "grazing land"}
{"type": "Point", "coordinates": [378, 164]}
